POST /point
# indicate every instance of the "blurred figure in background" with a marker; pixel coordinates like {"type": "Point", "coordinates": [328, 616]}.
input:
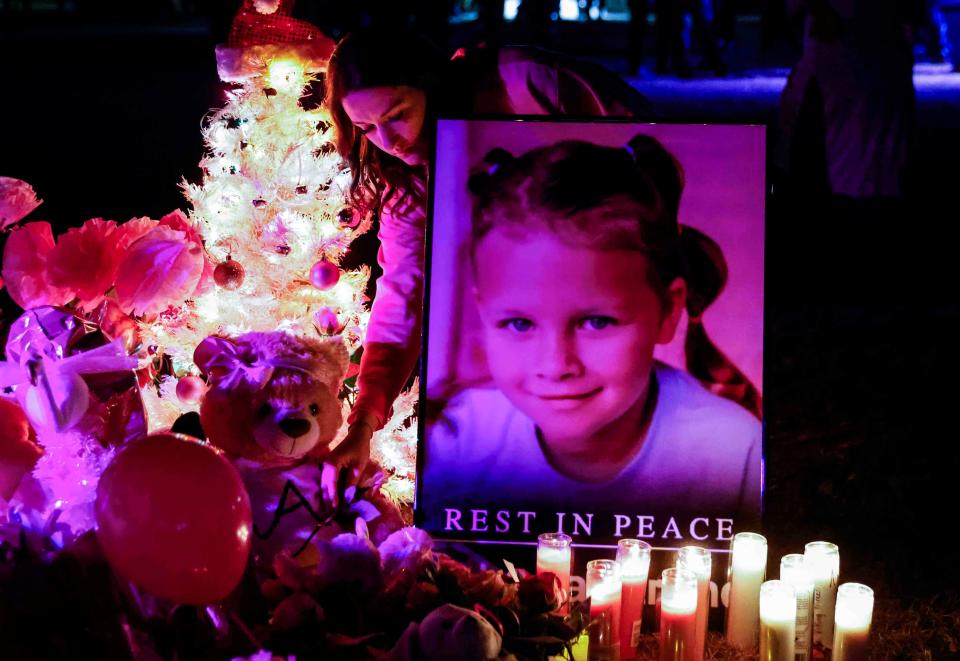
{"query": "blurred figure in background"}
{"type": "Point", "coordinates": [847, 111]}
{"type": "Point", "coordinates": [946, 17]}
{"type": "Point", "coordinates": [671, 49]}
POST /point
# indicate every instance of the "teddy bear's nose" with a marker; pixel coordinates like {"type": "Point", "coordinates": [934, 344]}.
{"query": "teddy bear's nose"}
{"type": "Point", "coordinates": [294, 427]}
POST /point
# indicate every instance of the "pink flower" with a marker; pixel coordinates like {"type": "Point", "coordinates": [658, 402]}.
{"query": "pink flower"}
{"type": "Point", "coordinates": [160, 269]}
{"type": "Point", "coordinates": [404, 550]}
{"type": "Point", "coordinates": [177, 220]}
{"type": "Point", "coordinates": [17, 199]}
{"type": "Point", "coordinates": [25, 267]}
{"type": "Point", "coordinates": [85, 259]}
{"type": "Point", "coordinates": [129, 232]}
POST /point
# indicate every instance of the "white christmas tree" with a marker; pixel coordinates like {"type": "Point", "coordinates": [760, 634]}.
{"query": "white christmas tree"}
{"type": "Point", "coordinates": [273, 210]}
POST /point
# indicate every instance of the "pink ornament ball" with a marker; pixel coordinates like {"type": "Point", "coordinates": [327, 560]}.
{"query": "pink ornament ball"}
{"type": "Point", "coordinates": [324, 274]}
{"type": "Point", "coordinates": [190, 389]}
{"type": "Point", "coordinates": [174, 517]}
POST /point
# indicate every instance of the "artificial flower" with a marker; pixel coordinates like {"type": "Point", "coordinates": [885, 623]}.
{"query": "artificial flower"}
{"type": "Point", "coordinates": [160, 269]}
{"type": "Point", "coordinates": [130, 232]}
{"type": "Point", "coordinates": [178, 221]}
{"type": "Point", "coordinates": [25, 259]}
{"type": "Point", "coordinates": [404, 550]}
{"type": "Point", "coordinates": [85, 259]}
{"type": "Point", "coordinates": [541, 593]}
{"type": "Point", "coordinates": [17, 199]}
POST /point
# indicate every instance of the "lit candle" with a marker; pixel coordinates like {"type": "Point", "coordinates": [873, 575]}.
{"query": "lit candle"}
{"type": "Point", "coordinates": [554, 556]}
{"type": "Point", "coordinates": [793, 570]}
{"type": "Point", "coordinates": [747, 567]}
{"type": "Point", "coordinates": [604, 590]}
{"type": "Point", "coordinates": [633, 556]}
{"type": "Point", "coordinates": [678, 615]}
{"type": "Point", "coordinates": [778, 621]}
{"type": "Point", "coordinates": [699, 561]}
{"type": "Point", "coordinates": [823, 563]}
{"type": "Point", "coordinates": [851, 635]}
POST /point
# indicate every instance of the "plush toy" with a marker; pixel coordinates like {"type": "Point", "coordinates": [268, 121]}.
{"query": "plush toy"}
{"type": "Point", "coordinates": [272, 405]}
{"type": "Point", "coordinates": [272, 397]}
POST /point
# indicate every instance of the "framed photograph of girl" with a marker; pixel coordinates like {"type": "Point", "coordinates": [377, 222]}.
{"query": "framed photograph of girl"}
{"type": "Point", "coordinates": [593, 357]}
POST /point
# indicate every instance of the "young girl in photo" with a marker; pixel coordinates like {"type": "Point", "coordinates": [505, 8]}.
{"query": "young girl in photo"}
{"type": "Point", "coordinates": [579, 274]}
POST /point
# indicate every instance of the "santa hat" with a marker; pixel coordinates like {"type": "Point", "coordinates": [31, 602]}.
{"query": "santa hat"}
{"type": "Point", "coordinates": [264, 30]}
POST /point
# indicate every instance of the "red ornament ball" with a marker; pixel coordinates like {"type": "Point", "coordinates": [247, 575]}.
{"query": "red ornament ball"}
{"type": "Point", "coordinates": [327, 321]}
{"type": "Point", "coordinates": [173, 517]}
{"type": "Point", "coordinates": [229, 274]}
{"type": "Point", "coordinates": [324, 274]}
{"type": "Point", "coordinates": [190, 389]}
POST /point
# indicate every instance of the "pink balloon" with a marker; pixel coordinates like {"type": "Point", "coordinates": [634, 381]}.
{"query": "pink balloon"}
{"type": "Point", "coordinates": [173, 517]}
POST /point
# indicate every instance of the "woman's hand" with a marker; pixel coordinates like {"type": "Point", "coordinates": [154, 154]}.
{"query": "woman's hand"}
{"type": "Point", "coordinates": [351, 455]}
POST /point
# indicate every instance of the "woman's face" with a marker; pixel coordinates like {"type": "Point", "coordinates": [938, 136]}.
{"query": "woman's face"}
{"type": "Point", "coordinates": [392, 118]}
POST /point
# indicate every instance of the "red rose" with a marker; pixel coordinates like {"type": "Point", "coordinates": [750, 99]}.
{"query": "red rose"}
{"type": "Point", "coordinates": [542, 593]}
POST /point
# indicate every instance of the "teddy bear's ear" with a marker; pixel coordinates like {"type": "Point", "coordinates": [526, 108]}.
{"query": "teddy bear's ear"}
{"type": "Point", "coordinates": [336, 358]}
{"type": "Point", "coordinates": [209, 349]}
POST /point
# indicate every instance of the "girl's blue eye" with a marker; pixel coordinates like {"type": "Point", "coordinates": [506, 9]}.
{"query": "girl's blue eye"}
{"type": "Point", "coordinates": [597, 323]}
{"type": "Point", "coordinates": [517, 324]}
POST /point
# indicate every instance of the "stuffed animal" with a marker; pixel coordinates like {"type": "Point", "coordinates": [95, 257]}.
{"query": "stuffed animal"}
{"type": "Point", "coordinates": [272, 405]}
{"type": "Point", "coordinates": [272, 397]}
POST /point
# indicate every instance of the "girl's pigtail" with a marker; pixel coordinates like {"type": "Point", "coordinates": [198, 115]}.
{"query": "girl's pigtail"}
{"type": "Point", "coordinates": [706, 276]}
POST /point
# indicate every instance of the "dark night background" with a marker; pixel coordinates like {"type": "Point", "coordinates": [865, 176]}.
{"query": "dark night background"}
{"type": "Point", "coordinates": [101, 106]}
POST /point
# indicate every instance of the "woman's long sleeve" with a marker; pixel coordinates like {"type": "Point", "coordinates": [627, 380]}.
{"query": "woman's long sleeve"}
{"type": "Point", "coordinates": [392, 344]}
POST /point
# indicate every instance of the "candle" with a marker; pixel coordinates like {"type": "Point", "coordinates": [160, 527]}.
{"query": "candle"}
{"type": "Point", "coordinates": [604, 591]}
{"type": "Point", "coordinates": [554, 555]}
{"type": "Point", "coordinates": [823, 563]}
{"type": "Point", "coordinates": [748, 563]}
{"type": "Point", "coordinates": [778, 621]}
{"type": "Point", "coordinates": [699, 561]}
{"type": "Point", "coordinates": [678, 615]}
{"type": "Point", "coordinates": [793, 570]}
{"type": "Point", "coordinates": [851, 633]}
{"type": "Point", "coordinates": [633, 557]}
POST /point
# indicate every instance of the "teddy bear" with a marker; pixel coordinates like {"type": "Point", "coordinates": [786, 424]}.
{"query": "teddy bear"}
{"type": "Point", "coordinates": [272, 406]}
{"type": "Point", "coordinates": [272, 397]}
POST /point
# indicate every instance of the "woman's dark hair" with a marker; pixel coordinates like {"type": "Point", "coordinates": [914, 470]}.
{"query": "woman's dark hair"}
{"type": "Point", "coordinates": [592, 195]}
{"type": "Point", "coordinates": [376, 58]}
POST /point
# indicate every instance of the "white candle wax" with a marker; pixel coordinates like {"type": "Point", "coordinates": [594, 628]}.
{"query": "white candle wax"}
{"type": "Point", "coordinates": [823, 563]}
{"type": "Point", "coordinates": [748, 566]}
{"type": "Point", "coordinates": [554, 556]}
{"type": "Point", "coordinates": [778, 616]}
{"type": "Point", "coordinates": [854, 614]}
{"type": "Point", "coordinates": [793, 570]}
